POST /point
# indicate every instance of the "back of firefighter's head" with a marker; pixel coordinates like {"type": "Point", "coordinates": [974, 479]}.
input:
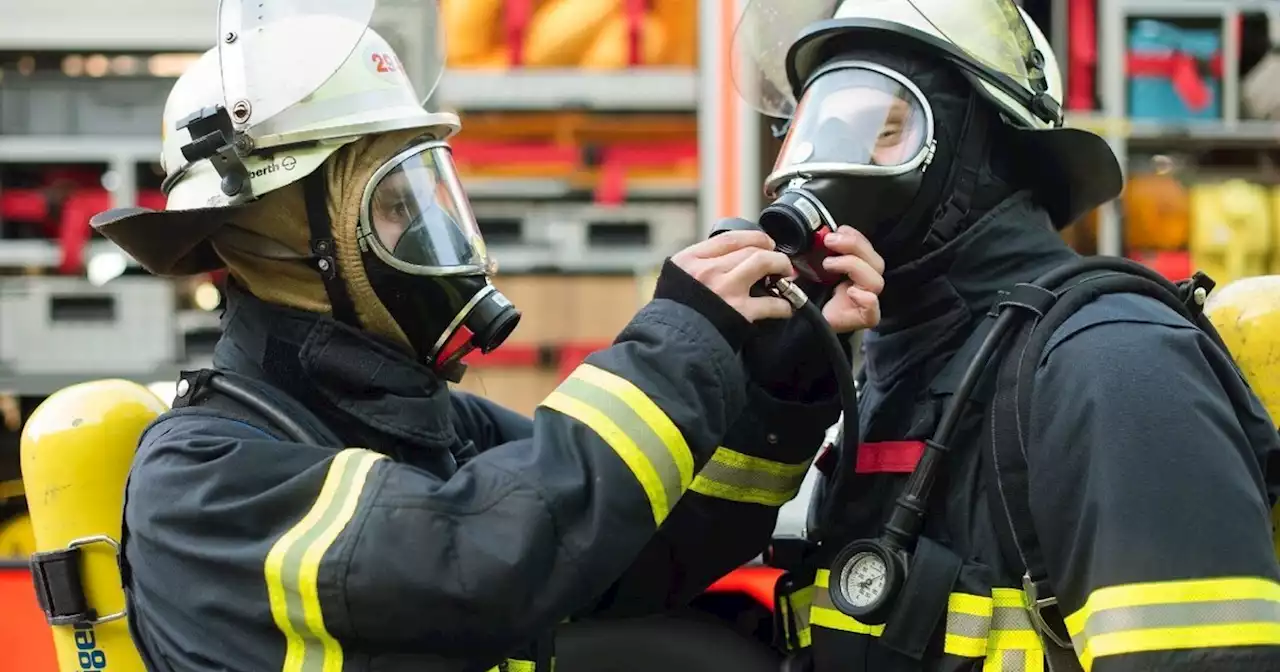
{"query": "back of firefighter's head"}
{"type": "Point", "coordinates": [327, 188]}
{"type": "Point", "coordinates": [910, 119]}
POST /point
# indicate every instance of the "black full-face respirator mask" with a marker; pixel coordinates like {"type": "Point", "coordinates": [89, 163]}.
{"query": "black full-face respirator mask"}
{"type": "Point", "coordinates": [856, 154]}
{"type": "Point", "coordinates": [427, 262]}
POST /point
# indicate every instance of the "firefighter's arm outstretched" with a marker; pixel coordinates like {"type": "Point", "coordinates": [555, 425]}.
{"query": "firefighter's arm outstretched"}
{"type": "Point", "coordinates": [1149, 502]}
{"type": "Point", "coordinates": [727, 515]}
{"type": "Point", "coordinates": [354, 546]}
{"type": "Point", "coordinates": [392, 556]}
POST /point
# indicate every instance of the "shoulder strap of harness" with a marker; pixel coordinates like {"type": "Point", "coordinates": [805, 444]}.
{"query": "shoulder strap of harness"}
{"type": "Point", "coordinates": [1044, 306]}
{"type": "Point", "coordinates": [253, 402]}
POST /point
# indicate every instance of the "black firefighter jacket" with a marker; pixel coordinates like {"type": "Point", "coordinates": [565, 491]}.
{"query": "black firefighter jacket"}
{"type": "Point", "coordinates": [1148, 500]}
{"type": "Point", "coordinates": [450, 533]}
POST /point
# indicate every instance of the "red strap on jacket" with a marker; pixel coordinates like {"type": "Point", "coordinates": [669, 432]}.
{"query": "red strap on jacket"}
{"type": "Point", "coordinates": [883, 457]}
{"type": "Point", "coordinates": [889, 457]}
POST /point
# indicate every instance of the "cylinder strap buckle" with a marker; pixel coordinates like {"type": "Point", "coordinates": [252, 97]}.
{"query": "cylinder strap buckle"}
{"type": "Point", "coordinates": [59, 587]}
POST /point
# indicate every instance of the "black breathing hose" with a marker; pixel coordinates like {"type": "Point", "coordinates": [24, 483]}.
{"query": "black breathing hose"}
{"type": "Point", "coordinates": [843, 369]}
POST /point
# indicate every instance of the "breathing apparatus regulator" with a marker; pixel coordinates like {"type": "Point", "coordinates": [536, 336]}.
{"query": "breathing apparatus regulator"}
{"type": "Point", "coordinates": [859, 138]}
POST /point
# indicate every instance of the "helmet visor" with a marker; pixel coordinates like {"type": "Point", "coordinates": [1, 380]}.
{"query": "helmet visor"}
{"type": "Point", "coordinates": [758, 61]}
{"type": "Point", "coordinates": [990, 33]}
{"type": "Point", "coordinates": [857, 118]}
{"type": "Point", "coordinates": [416, 217]}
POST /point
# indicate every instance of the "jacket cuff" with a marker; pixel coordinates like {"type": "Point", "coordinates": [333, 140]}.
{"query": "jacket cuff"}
{"type": "Point", "coordinates": [785, 431]}
{"type": "Point", "coordinates": [676, 285]}
{"type": "Point", "coordinates": [788, 360]}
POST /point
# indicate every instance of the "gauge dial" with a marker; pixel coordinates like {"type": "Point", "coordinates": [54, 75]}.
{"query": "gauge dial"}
{"type": "Point", "coordinates": [864, 579]}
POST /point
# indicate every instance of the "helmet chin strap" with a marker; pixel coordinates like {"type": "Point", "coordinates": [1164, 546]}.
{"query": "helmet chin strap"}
{"type": "Point", "coordinates": [324, 252]}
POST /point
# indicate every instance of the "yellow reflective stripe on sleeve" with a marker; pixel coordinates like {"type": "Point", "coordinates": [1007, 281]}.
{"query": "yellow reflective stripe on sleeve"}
{"type": "Point", "coordinates": [514, 665]}
{"type": "Point", "coordinates": [643, 406]}
{"type": "Point", "coordinates": [1191, 614]}
{"type": "Point", "coordinates": [292, 566]}
{"type": "Point", "coordinates": [996, 628]}
{"type": "Point", "coordinates": [750, 480]}
{"type": "Point", "coordinates": [634, 427]}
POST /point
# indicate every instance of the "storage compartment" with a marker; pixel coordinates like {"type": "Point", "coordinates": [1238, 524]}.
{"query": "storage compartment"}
{"type": "Point", "coordinates": [52, 325]}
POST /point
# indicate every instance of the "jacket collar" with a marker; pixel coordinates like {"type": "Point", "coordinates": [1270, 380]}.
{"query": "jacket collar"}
{"type": "Point", "coordinates": [933, 304]}
{"type": "Point", "coordinates": [367, 392]}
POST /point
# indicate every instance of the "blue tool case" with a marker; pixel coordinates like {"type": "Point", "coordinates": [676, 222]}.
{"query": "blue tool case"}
{"type": "Point", "coordinates": [1174, 73]}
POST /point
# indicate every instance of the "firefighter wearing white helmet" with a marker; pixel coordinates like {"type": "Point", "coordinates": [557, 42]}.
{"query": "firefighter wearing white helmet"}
{"type": "Point", "coordinates": [319, 498]}
{"type": "Point", "coordinates": [1095, 497]}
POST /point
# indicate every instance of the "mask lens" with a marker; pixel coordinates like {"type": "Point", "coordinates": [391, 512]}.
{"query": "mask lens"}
{"type": "Point", "coordinates": [419, 217]}
{"type": "Point", "coordinates": [865, 120]}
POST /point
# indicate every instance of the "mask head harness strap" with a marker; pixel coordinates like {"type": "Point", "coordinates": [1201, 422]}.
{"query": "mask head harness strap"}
{"type": "Point", "coordinates": [949, 218]}
{"type": "Point", "coordinates": [323, 250]}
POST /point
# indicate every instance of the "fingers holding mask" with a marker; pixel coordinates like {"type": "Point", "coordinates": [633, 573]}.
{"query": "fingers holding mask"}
{"type": "Point", "coordinates": [856, 259]}
{"type": "Point", "coordinates": [856, 303]}
{"type": "Point", "coordinates": [726, 243]}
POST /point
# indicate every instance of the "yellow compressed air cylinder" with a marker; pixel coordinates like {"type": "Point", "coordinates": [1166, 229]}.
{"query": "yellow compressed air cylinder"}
{"type": "Point", "coordinates": [77, 448]}
{"type": "Point", "coordinates": [1246, 314]}
{"type": "Point", "coordinates": [17, 538]}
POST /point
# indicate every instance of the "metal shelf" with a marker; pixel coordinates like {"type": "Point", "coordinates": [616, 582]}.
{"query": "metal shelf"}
{"type": "Point", "coordinates": [45, 254]}
{"type": "Point", "coordinates": [43, 385]}
{"type": "Point", "coordinates": [647, 89]}
{"type": "Point", "coordinates": [76, 149]}
{"type": "Point", "coordinates": [515, 188]}
{"type": "Point", "coordinates": [1248, 132]}
{"type": "Point", "coordinates": [1191, 8]}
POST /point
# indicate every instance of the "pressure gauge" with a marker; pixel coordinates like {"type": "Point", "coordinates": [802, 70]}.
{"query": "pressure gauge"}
{"type": "Point", "coordinates": [866, 577]}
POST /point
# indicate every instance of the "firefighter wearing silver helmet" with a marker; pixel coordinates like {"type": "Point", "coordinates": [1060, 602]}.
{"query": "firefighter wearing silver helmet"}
{"type": "Point", "coordinates": [1142, 542]}
{"type": "Point", "coordinates": [319, 499]}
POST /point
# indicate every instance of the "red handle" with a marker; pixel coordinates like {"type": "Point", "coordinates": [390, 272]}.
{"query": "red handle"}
{"type": "Point", "coordinates": [516, 17]}
{"type": "Point", "coordinates": [635, 10]}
